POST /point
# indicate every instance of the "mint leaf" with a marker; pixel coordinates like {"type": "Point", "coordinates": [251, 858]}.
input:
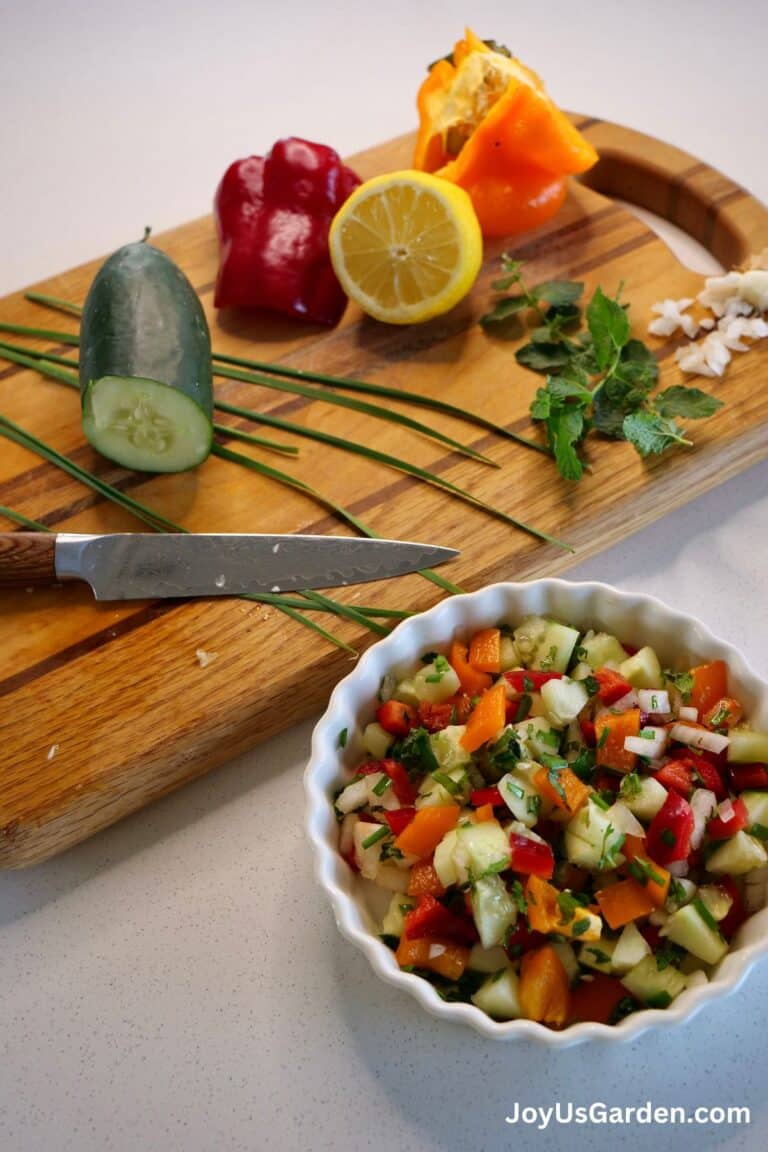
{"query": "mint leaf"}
{"type": "Point", "coordinates": [503, 309]}
{"type": "Point", "coordinates": [688, 402]}
{"type": "Point", "coordinates": [543, 357]}
{"type": "Point", "coordinates": [637, 365]}
{"type": "Point", "coordinates": [569, 387]}
{"type": "Point", "coordinates": [566, 429]}
{"type": "Point", "coordinates": [609, 326]}
{"type": "Point", "coordinates": [651, 434]}
{"type": "Point", "coordinates": [511, 275]}
{"type": "Point", "coordinates": [558, 292]}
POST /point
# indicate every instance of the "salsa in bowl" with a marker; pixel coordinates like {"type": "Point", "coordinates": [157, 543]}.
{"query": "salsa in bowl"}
{"type": "Point", "coordinates": [542, 809]}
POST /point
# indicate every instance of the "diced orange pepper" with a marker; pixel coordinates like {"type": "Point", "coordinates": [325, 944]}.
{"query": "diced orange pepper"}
{"type": "Point", "coordinates": [710, 682]}
{"type": "Point", "coordinates": [656, 879]}
{"type": "Point", "coordinates": [483, 814]}
{"type": "Point", "coordinates": [610, 732]}
{"type": "Point", "coordinates": [442, 956]}
{"type": "Point", "coordinates": [724, 713]}
{"type": "Point", "coordinates": [596, 999]}
{"type": "Point", "coordinates": [485, 650]}
{"type": "Point", "coordinates": [623, 902]}
{"type": "Point", "coordinates": [486, 719]}
{"type": "Point", "coordinates": [511, 148]}
{"type": "Point", "coordinates": [569, 794]}
{"type": "Point", "coordinates": [424, 881]}
{"type": "Point", "coordinates": [544, 989]}
{"type": "Point", "coordinates": [543, 908]}
{"type": "Point", "coordinates": [427, 829]}
{"type": "Point", "coordinates": [472, 681]}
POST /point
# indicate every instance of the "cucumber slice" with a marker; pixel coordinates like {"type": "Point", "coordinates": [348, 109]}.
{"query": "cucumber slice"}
{"type": "Point", "coordinates": [757, 806]}
{"type": "Point", "coordinates": [600, 649]}
{"type": "Point", "coordinates": [591, 840]}
{"type": "Point", "coordinates": [435, 682]}
{"type": "Point", "coordinates": [447, 747]}
{"type": "Point", "coordinates": [643, 670]}
{"type": "Point", "coordinates": [567, 958]}
{"type": "Point", "coordinates": [657, 989]}
{"type": "Point", "coordinates": [630, 949]}
{"type": "Point", "coordinates": [499, 996]}
{"type": "Point", "coordinates": [545, 644]}
{"type": "Point", "coordinates": [737, 856]}
{"type": "Point", "coordinates": [563, 700]}
{"type": "Point", "coordinates": [376, 740]}
{"type": "Point", "coordinates": [688, 928]}
{"type": "Point", "coordinates": [393, 923]}
{"type": "Point", "coordinates": [747, 746]}
{"type": "Point", "coordinates": [716, 901]}
{"type": "Point", "coordinates": [538, 737]}
{"type": "Point", "coordinates": [493, 909]}
{"type": "Point", "coordinates": [487, 959]}
{"type": "Point", "coordinates": [520, 796]}
{"type": "Point", "coordinates": [145, 364]}
{"type": "Point", "coordinates": [508, 654]}
{"type": "Point", "coordinates": [598, 954]}
{"type": "Point", "coordinates": [643, 795]}
{"type": "Point", "coordinates": [485, 845]}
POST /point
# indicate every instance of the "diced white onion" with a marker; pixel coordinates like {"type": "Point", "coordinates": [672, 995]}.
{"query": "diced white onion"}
{"type": "Point", "coordinates": [625, 703]}
{"type": "Point", "coordinates": [678, 869]}
{"type": "Point", "coordinates": [686, 713]}
{"type": "Point", "coordinates": [436, 950]}
{"type": "Point", "coordinates": [699, 738]}
{"type": "Point", "coordinates": [725, 811]}
{"type": "Point", "coordinates": [355, 795]}
{"type": "Point", "coordinates": [703, 804]}
{"type": "Point", "coordinates": [654, 702]}
{"type": "Point", "coordinates": [651, 747]}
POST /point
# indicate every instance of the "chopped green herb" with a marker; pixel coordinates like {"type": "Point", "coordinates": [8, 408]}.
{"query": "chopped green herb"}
{"type": "Point", "coordinates": [659, 1000]}
{"type": "Point", "coordinates": [415, 752]}
{"type": "Point", "coordinates": [495, 868]}
{"type": "Point", "coordinates": [567, 905]}
{"type": "Point", "coordinates": [603, 737]}
{"type": "Point", "coordinates": [624, 1008]}
{"type": "Point", "coordinates": [668, 955]}
{"type": "Point", "coordinates": [597, 798]}
{"type": "Point", "coordinates": [390, 852]}
{"type": "Point", "coordinates": [584, 764]}
{"type": "Point", "coordinates": [683, 681]}
{"type": "Point", "coordinates": [516, 789]}
{"type": "Point", "coordinates": [677, 891]}
{"type": "Point", "coordinates": [592, 685]}
{"type": "Point", "coordinates": [580, 653]}
{"type": "Point", "coordinates": [550, 737]}
{"type": "Point", "coordinates": [549, 659]}
{"type": "Point", "coordinates": [441, 666]}
{"type": "Point", "coordinates": [446, 782]}
{"type": "Point", "coordinates": [343, 738]}
{"type": "Point", "coordinates": [516, 891]}
{"type": "Point", "coordinates": [429, 657]}
{"type": "Point", "coordinates": [705, 914]}
{"type": "Point", "coordinates": [600, 956]}
{"type": "Point", "coordinates": [643, 871]}
{"type": "Point", "coordinates": [580, 926]}
{"type": "Point", "coordinates": [631, 786]}
{"type": "Point", "coordinates": [523, 708]}
{"type": "Point", "coordinates": [381, 832]}
{"type": "Point", "coordinates": [668, 837]}
{"type": "Point", "coordinates": [381, 786]}
{"type": "Point", "coordinates": [533, 805]}
{"type": "Point", "coordinates": [759, 830]}
{"type": "Point", "coordinates": [609, 851]}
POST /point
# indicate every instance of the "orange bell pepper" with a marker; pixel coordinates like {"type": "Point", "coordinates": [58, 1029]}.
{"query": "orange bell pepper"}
{"type": "Point", "coordinates": [485, 650]}
{"type": "Point", "coordinates": [483, 814]}
{"type": "Point", "coordinates": [487, 124]}
{"type": "Point", "coordinates": [648, 874]}
{"type": "Point", "coordinates": [427, 829]}
{"type": "Point", "coordinates": [543, 909]}
{"type": "Point", "coordinates": [424, 881]}
{"type": "Point", "coordinates": [486, 719]}
{"type": "Point", "coordinates": [472, 681]}
{"type": "Point", "coordinates": [569, 793]}
{"type": "Point", "coordinates": [445, 957]}
{"type": "Point", "coordinates": [544, 989]}
{"type": "Point", "coordinates": [624, 901]}
{"type": "Point", "coordinates": [710, 683]}
{"type": "Point", "coordinates": [610, 732]}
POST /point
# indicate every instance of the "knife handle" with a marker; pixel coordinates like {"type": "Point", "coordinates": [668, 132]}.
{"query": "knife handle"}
{"type": "Point", "coordinates": [27, 558]}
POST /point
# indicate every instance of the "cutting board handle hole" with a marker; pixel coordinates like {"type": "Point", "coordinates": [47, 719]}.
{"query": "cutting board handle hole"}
{"type": "Point", "coordinates": [690, 253]}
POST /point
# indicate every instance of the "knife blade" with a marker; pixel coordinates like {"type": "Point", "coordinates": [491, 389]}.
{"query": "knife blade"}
{"type": "Point", "coordinates": [148, 566]}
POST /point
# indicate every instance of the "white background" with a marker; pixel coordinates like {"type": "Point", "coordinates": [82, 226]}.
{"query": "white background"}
{"type": "Point", "coordinates": [178, 982]}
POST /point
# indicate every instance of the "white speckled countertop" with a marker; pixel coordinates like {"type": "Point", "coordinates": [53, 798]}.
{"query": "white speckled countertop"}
{"type": "Point", "coordinates": [178, 983]}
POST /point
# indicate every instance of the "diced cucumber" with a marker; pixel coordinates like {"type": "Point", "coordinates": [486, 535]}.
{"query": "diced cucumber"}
{"type": "Point", "coordinates": [391, 877]}
{"type": "Point", "coordinates": [354, 796]}
{"type": "Point", "coordinates": [487, 959]}
{"type": "Point", "coordinates": [600, 649]}
{"type": "Point", "coordinates": [436, 682]}
{"type": "Point", "coordinates": [735, 857]}
{"type": "Point", "coordinates": [716, 901]}
{"type": "Point", "coordinates": [591, 840]}
{"type": "Point", "coordinates": [567, 957]}
{"type": "Point", "coordinates": [563, 700]}
{"type": "Point", "coordinates": [520, 796]}
{"type": "Point", "coordinates": [581, 671]}
{"type": "Point", "coordinates": [367, 859]}
{"type": "Point", "coordinates": [545, 644]}
{"type": "Point", "coordinates": [630, 949]}
{"type": "Point", "coordinates": [508, 653]}
{"type": "Point", "coordinates": [376, 740]}
{"type": "Point", "coordinates": [493, 909]}
{"type": "Point", "coordinates": [448, 749]}
{"type": "Point", "coordinates": [688, 928]}
{"type": "Point", "coordinates": [643, 795]}
{"type": "Point", "coordinates": [538, 737]}
{"type": "Point", "coordinates": [499, 995]}
{"type": "Point", "coordinates": [643, 670]}
{"type": "Point", "coordinates": [432, 794]}
{"type": "Point", "coordinates": [598, 955]}
{"type": "Point", "coordinates": [680, 892]}
{"type": "Point", "coordinates": [746, 746]}
{"type": "Point", "coordinates": [757, 807]}
{"type": "Point", "coordinates": [405, 692]}
{"type": "Point", "coordinates": [449, 869]}
{"type": "Point", "coordinates": [485, 845]}
{"type": "Point", "coordinates": [655, 988]}
{"type": "Point", "coordinates": [393, 923]}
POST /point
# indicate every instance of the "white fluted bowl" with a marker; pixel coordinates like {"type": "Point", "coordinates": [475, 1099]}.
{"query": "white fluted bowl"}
{"type": "Point", "coordinates": [680, 640]}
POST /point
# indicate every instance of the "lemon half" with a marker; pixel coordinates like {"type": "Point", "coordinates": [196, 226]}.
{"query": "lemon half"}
{"type": "Point", "coordinates": [406, 246]}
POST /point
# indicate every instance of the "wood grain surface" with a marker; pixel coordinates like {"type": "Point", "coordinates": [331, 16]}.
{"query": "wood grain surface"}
{"type": "Point", "coordinates": [106, 707]}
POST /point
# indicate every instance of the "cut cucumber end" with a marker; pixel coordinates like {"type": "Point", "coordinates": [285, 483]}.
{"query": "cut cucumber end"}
{"type": "Point", "coordinates": [145, 425]}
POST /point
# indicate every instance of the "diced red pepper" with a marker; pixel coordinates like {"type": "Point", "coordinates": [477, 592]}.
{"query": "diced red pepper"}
{"type": "Point", "coordinates": [395, 717]}
{"type": "Point", "coordinates": [399, 818]}
{"type": "Point", "coordinates": [704, 772]}
{"type": "Point", "coordinates": [607, 782]}
{"type": "Point", "coordinates": [435, 717]}
{"type": "Point", "coordinates": [612, 685]}
{"type": "Point", "coordinates": [522, 939]}
{"type": "Point", "coordinates": [748, 776]}
{"type": "Point", "coordinates": [482, 796]}
{"type": "Point", "coordinates": [431, 918]}
{"type": "Point", "coordinates": [517, 709]}
{"type": "Point", "coordinates": [720, 829]}
{"type": "Point", "coordinates": [530, 857]}
{"type": "Point", "coordinates": [737, 913]}
{"type": "Point", "coordinates": [401, 784]}
{"type": "Point", "coordinates": [669, 833]}
{"type": "Point", "coordinates": [651, 933]}
{"type": "Point", "coordinates": [424, 880]}
{"type": "Point", "coordinates": [273, 214]}
{"type": "Point", "coordinates": [588, 732]}
{"type": "Point", "coordinates": [677, 776]}
{"type": "Point", "coordinates": [528, 680]}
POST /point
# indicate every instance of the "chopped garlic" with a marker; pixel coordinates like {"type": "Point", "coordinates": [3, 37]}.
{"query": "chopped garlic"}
{"type": "Point", "coordinates": [205, 658]}
{"type": "Point", "coordinates": [52, 751]}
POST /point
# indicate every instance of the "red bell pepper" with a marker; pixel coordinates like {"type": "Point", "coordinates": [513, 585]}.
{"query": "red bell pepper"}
{"type": "Point", "coordinates": [528, 680]}
{"type": "Point", "coordinates": [431, 918]}
{"type": "Point", "coordinates": [273, 214]}
{"type": "Point", "coordinates": [747, 776]}
{"type": "Point", "coordinates": [669, 833]}
{"type": "Point", "coordinates": [399, 818]}
{"type": "Point", "coordinates": [395, 717]}
{"type": "Point", "coordinates": [522, 939]}
{"type": "Point", "coordinates": [720, 829]}
{"type": "Point", "coordinates": [435, 717]}
{"type": "Point", "coordinates": [530, 857]}
{"type": "Point", "coordinates": [612, 685]}
{"type": "Point", "coordinates": [401, 784]}
{"type": "Point", "coordinates": [706, 773]}
{"type": "Point", "coordinates": [588, 732]}
{"type": "Point", "coordinates": [676, 776]}
{"type": "Point", "coordinates": [482, 796]}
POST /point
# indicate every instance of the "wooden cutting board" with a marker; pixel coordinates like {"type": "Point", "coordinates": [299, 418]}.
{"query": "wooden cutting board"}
{"type": "Point", "coordinates": [106, 706]}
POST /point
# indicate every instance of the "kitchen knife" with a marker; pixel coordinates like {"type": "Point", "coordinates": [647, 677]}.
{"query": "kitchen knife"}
{"type": "Point", "coordinates": [147, 566]}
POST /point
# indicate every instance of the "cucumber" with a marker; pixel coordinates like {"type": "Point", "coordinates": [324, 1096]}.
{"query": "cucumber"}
{"type": "Point", "coordinates": [493, 909]}
{"type": "Point", "coordinates": [746, 746]}
{"type": "Point", "coordinates": [145, 364]}
{"type": "Point", "coordinates": [757, 806]}
{"type": "Point", "coordinates": [643, 670]}
{"type": "Point", "coordinates": [591, 840]}
{"type": "Point", "coordinates": [688, 928]}
{"type": "Point", "coordinates": [545, 644]}
{"type": "Point", "coordinates": [656, 988]}
{"type": "Point", "coordinates": [563, 700]}
{"type": "Point", "coordinates": [376, 740]}
{"type": "Point", "coordinates": [738, 855]}
{"type": "Point", "coordinates": [393, 923]}
{"type": "Point", "coordinates": [520, 796]}
{"type": "Point", "coordinates": [643, 795]}
{"type": "Point", "coordinates": [600, 648]}
{"type": "Point", "coordinates": [630, 949]}
{"type": "Point", "coordinates": [499, 996]}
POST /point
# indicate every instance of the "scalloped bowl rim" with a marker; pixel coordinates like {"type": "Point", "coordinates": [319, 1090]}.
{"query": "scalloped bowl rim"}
{"type": "Point", "coordinates": [569, 601]}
